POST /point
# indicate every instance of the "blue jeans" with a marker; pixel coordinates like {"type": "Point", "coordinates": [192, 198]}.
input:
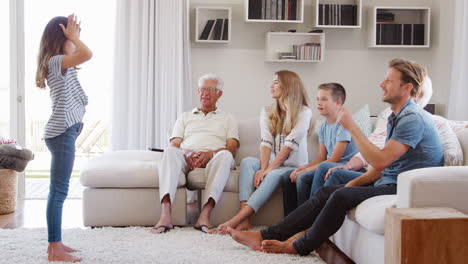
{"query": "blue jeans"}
{"type": "Point", "coordinates": [62, 148]}
{"type": "Point", "coordinates": [337, 177]}
{"type": "Point", "coordinates": [256, 198]}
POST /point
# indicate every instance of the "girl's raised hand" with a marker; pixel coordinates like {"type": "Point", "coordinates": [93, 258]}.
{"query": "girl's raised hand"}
{"type": "Point", "coordinates": [72, 31]}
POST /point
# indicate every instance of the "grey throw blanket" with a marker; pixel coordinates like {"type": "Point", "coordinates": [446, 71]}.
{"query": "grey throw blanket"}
{"type": "Point", "coordinates": [14, 157]}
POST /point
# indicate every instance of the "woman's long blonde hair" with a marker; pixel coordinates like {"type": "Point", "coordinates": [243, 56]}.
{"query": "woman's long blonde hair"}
{"type": "Point", "coordinates": [284, 112]}
{"type": "Point", "coordinates": [52, 43]}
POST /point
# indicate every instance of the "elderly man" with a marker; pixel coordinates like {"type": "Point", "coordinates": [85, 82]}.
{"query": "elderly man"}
{"type": "Point", "coordinates": [205, 137]}
{"type": "Point", "coordinates": [412, 142]}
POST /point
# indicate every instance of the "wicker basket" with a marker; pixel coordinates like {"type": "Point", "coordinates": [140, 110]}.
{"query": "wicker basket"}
{"type": "Point", "coordinates": [8, 186]}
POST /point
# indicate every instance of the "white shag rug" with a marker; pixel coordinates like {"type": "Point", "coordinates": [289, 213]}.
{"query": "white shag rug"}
{"type": "Point", "coordinates": [137, 245]}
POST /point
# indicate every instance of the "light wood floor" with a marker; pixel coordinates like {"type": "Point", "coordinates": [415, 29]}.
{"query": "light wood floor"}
{"type": "Point", "coordinates": [32, 214]}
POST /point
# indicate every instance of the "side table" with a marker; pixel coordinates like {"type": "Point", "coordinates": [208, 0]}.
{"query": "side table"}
{"type": "Point", "coordinates": [426, 235]}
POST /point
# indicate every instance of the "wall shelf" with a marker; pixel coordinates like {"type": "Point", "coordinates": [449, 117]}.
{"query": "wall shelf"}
{"type": "Point", "coordinates": [401, 31]}
{"type": "Point", "coordinates": [341, 19]}
{"type": "Point", "coordinates": [203, 15]}
{"type": "Point", "coordinates": [283, 42]}
{"type": "Point", "coordinates": [255, 12]}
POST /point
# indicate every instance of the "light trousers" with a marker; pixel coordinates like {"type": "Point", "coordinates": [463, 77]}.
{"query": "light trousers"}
{"type": "Point", "coordinates": [173, 166]}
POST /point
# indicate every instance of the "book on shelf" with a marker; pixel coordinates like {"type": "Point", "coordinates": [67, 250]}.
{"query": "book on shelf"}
{"type": "Point", "coordinates": [225, 29]}
{"type": "Point", "coordinates": [418, 34]}
{"type": "Point", "coordinates": [347, 15]}
{"type": "Point", "coordinates": [337, 15]}
{"type": "Point", "coordinates": [399, 34]}
{"type": "Point", "coordinates": [286, 56]}
{"type": "Point", "coordinates": [293, 10]}
{"type": "Point", "coordinates": [218, 29]}
{"type": "Point", "coordinates": [273, 9]}
{"type": "Point", "coordinates": [407, 34]}
{"type": "Point", "coordinates": [255, 9]}
{"type": "Point", "coordinates": [355, 16]}
{"type": "Point", "coordinates": [206, 31]}
{"type": "Point", "coordinates": [307, 51]}
{"type": "Point", "coordinates": [385, 15]}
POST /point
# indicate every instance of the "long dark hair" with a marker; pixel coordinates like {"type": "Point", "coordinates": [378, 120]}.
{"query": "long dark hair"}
{"type": "Point", "coordinates": [52, 43]}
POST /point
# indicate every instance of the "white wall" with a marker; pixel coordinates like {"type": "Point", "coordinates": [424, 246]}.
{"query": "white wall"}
{"type": "Point", "coordinates": [348, 60]}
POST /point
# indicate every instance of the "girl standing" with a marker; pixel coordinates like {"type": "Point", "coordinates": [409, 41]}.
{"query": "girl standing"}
{"type": "Point", "coordinates": [61, 50]}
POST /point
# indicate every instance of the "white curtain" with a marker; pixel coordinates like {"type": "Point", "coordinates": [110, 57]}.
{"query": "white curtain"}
{"type": "Point", "coordinates": [152, 72]}
{"type": "Point", "coordinates": [458, 106]}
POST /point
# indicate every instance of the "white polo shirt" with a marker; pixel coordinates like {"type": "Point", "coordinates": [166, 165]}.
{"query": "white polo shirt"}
{"type": "Point", "coordinates": [202, 132]}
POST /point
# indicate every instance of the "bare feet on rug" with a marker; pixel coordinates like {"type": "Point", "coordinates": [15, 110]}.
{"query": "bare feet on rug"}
{"type": "Point", "coordinates": [248, 238]}
{"type": "Point", "coordinates": [223, 228]}
{"type": "Point", "coordinates": [275, 246]}
{"type": "Point", "coordinates": [65, 248]}
{"type": "Point", "coordinates": [56, 252]}
{"type": "Point", "coordinates": [164, 224]}
{"type": "Point", "coordinates": [244, 225]}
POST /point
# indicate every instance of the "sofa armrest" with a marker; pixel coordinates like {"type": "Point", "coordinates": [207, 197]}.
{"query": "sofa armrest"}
{"type": "Point", "coordinates": [434, 187]}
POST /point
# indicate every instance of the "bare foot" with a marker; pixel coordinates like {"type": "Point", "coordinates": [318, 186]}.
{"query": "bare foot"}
{"type": "Point", "coordinates": [65, 248]}
{"type": "Point", "coordinates": [58, 254]}
{"type": "Point", "coordinates": [248, 238]}
{"type": "Point", "coordinates": [69, 249]}
{"type": "Point", "coordinates": [244, 225]}
{"type": "Point", "coordinates": [222, 228]}
{"type": "Point", "coordinates": [275, 246]}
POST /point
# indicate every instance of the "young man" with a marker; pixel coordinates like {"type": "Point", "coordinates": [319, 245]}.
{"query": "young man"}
{"type": "Point", "coordinates": [336, 145]}
{"type": "Point", "coordinates": [205, 137]}
{"type": "Point", "coordinates": [412, 142]}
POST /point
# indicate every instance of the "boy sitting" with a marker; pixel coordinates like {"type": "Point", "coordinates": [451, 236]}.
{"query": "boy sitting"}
{"type": "Point", "coordinates": [336, 145]}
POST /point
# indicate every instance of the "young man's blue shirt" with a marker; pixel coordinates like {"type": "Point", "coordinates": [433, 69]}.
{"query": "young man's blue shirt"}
{"type": "Point", "coordinates": [413, 127]}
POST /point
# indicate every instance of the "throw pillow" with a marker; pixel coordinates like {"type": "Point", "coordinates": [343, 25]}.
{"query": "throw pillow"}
{"type": "Point", "coordinates": [453, 153]}
{"type": "Point", "coordinates": [362, 119]}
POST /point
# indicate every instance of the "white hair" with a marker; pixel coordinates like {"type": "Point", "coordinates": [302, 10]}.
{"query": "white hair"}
{"type": "Point", "coordinates": [211, 76]}
{"type": "Point", "coordinates": [426, 91]}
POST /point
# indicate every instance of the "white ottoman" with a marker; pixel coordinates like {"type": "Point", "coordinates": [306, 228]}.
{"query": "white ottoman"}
{"type": "Point", "coordinates": [122, 189]}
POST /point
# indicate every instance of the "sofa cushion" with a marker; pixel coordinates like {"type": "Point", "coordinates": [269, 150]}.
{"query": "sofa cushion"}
{"type": "Point", "coordinates": [370, 214]}
{"type": "Point", "coordinates": [124, 169]}
{"type": "Point", "coordinates": [463, 139]}
{"type": "Point", "coordinates": [196, 179]}
{"type": "Point", "coordinates": [249, 138]}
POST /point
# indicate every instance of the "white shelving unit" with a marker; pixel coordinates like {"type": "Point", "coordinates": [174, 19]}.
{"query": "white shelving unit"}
{"type": "Point", "coordinates": [320, 24]}
{"type": "Point", "coordinates": [299, 13]}
{"type": "Point", "coordinates": [276, 42]}
{"type": "Point", "coordinates": [403, 15]}
{"type": "Point", "coordinates": [203, 14]}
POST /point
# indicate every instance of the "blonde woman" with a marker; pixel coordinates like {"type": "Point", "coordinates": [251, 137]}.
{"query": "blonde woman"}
{"type": "Point", "coordinates": [284, 126]}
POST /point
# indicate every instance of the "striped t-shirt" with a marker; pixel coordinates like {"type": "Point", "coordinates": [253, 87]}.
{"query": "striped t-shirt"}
{"type": "Point", "coordinates": [68, 98]}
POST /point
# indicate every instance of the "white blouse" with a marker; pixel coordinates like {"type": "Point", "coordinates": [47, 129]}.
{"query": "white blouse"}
{"type": "Point", "coordinates": [296, 140]}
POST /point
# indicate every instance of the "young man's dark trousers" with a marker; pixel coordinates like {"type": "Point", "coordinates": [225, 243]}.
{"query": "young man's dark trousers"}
{"type": "Point", "coordinates": [323, 214]}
